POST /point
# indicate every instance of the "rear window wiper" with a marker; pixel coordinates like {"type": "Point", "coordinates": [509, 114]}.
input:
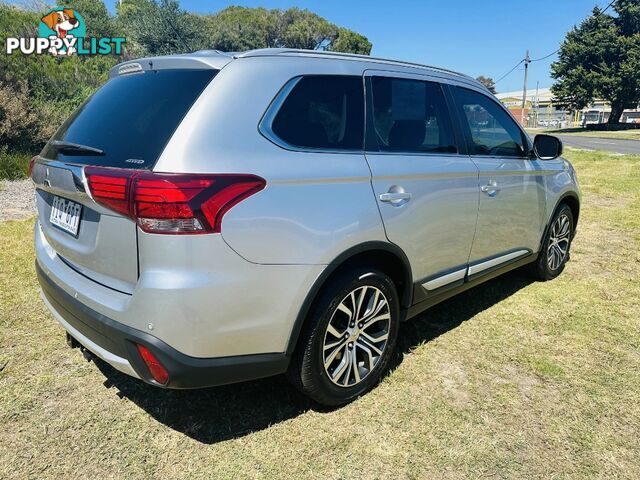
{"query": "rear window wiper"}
{"type": "Point", "coordinates": [71, 148]}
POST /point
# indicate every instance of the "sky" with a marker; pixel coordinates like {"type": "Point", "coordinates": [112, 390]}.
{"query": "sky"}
{"type": "Point", "coordinates": [470, 36]}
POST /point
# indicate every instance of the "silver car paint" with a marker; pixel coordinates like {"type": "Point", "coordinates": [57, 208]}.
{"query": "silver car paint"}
{"type": "Point", "coordinates": [105, 247]}
{"type": "Point", "coordinates": [515, 190]}
{"type": "Point", "coordinates": [195, 294]}
{"type": "Point", "coordinates": [316, 204]}
{"type": "Point", "coordinates": [542, 182]}
{"type": "Point", "coordinates": [240, 292]}
{"type": "Point", "coordinates": [435, 227]}
{"type": "Point", "coordinates": [560, 181]}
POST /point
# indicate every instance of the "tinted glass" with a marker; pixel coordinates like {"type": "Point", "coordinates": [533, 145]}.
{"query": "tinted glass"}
{"type": "Point", "coordinates": [493, 131]}
{"type": "Point", "coordinates": [131, 117]}
{"type": "Point", "coordinates": [324, 112]}
{"type": "Point", "coordinates": [411, 116]}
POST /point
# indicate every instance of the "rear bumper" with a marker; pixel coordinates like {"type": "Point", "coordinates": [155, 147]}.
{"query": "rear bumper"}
{"type": "Point", "coordinates": [115, 343]}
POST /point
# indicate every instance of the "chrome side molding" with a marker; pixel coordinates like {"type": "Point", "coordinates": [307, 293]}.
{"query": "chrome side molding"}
{"type": "Point", "coordinates": [460, 274]}
{"type": "Point", "coordinates": [445, 279]}
{"type": "Point", "coordinates": [473, 269]}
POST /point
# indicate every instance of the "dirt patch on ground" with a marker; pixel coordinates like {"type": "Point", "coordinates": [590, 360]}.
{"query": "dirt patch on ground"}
{"type": "Point", "coordinates": [454, 381]}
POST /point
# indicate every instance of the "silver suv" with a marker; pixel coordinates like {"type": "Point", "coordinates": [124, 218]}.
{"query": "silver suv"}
{"type": "Point", "coordinates": [212, 218]}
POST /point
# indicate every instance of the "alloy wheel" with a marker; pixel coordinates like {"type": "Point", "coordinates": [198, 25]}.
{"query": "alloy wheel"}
{"type": "Point", "coordinates": [558, 242]}
{"type": "Point", "coordinates": [356, 336]}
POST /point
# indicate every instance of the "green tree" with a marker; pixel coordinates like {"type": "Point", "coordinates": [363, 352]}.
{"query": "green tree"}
{"type": "Point", "coordinates": [487, 82]}
{"type": "Point", "coordinates": [99, 22]}
{"type": "Point", "coordinates": [238, 28]}
{"type": "Point", "coordinates": [162, 27]}
{"type": "Point", "coordinates": [128, 7]}
{"type": "Point", "coordinates": [304, 29]}
{"type": "Point", "coordinates": [600, 58]}
{"type": "Point", "coordinates": [159, 28]}
{"type": "Point", "coordinates": [349, 41]}
{"type": "Point", "coordinates": [242, 28]}
{"type": "Point", "coordinates": [48, 87]}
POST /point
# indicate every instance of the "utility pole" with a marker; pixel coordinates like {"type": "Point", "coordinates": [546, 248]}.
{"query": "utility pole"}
{"type": "Point", "coordinates": [537, 103]}
{"type": "Point", "coordinates": [527, 61]}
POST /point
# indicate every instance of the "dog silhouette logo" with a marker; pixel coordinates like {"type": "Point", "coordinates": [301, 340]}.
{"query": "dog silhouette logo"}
{"type": "Point", "coordinates": [65, 24]}
{"type": "Point", "coordinates": [62, 32]}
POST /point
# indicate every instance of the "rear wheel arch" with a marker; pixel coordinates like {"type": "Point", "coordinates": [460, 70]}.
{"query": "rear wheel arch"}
{"type": "Point", "coordinates": [383, 256]}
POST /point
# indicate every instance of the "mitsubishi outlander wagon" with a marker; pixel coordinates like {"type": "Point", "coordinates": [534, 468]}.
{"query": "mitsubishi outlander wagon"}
{"type": "Point", "coordinates": [211, 218]}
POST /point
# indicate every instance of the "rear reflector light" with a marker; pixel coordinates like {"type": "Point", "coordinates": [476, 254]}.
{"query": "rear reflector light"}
{"type": "Point", "coordinates": [157, 371]}
{"type": "Point", "coordinates": [171, 203]}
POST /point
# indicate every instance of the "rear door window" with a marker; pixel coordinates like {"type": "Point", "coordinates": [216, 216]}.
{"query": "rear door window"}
{"type": "Point", "coordinates": [411, 116]}
{"type": "Point", "coordinates": [491, 130]}
{"type": "Point", "coordinates": [323, 112]}
{"type": "Point", "coordinates": [130, 118]}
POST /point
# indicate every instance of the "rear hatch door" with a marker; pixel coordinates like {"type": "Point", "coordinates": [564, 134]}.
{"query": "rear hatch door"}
{"type": "Point", "coordinates": [125, 125]}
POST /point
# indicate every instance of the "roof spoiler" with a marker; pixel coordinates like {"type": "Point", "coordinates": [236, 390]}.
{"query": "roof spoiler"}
{"type": "Point", "coordinates": [194, 61]}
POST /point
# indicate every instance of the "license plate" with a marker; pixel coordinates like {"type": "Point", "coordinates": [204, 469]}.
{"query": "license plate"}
{"type": "Point", "coordinates": [65, 214]}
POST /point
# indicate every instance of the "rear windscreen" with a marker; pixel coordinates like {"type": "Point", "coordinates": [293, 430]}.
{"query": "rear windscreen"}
{"type": "Point", "coordinates": [130, 119]}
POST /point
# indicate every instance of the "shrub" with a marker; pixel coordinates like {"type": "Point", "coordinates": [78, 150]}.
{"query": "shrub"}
{"type": "Point", "coordinates": [19, 124]}
{"type": "Point", "coordinates": [13, 166]}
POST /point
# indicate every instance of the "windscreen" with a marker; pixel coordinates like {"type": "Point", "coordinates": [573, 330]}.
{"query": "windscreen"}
{"type": "Point", "coordinates": [128, 121]}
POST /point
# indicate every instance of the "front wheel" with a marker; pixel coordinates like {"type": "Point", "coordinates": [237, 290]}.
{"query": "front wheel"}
{"type": "Point", "coordinates": [348, 338]}
{"type": "Point", "coordinates": [555, 248]}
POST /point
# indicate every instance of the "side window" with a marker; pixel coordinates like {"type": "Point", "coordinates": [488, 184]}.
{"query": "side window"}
{"type": "Point", "coordinates": [493, 131]}
{"type": "Point", "coordinates": [411, 116]}
{"type": "Point", "coordinates": [324, 111]}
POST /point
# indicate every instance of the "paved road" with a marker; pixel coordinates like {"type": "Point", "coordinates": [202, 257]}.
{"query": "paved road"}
{"type": "Point", "coordinates": [608, 144]}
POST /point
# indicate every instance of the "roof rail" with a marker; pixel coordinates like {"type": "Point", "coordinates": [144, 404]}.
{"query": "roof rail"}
{"type": "Point", "coordinates": [265, 52]}
{"type": "Point", "coordinates": [211, 51]}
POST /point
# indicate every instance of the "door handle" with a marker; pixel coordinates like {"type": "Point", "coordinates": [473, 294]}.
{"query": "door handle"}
{"type": "Point", "coordinates": [394, 197]}
{"type": "Point", "coordinates": [491, 189]}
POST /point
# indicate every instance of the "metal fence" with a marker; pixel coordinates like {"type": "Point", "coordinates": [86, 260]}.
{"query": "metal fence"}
{"type": "Point", "coordinates": [551, 117]}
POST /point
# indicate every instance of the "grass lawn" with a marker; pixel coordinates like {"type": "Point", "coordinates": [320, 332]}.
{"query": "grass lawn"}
{"type": "Point", "coordinates": [512, 379]}
{"type": "Point", "coordinates": [581, 132]}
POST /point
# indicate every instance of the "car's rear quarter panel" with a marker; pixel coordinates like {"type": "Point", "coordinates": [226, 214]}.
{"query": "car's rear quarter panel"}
{"type": "Point", "coordinates": [315, 205]}
{"type": "Point", "coordinates": [205, 301]}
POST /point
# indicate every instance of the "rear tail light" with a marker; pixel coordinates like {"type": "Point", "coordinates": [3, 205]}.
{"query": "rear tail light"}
{"type": "Point", "coordinates": [110, 187]}
{"type": "Point", "coordinates": [171, 203]}
{"type": "Point", "coordinates": [157, 371]}
{"type": "Point", "coordinates": [32, 163]}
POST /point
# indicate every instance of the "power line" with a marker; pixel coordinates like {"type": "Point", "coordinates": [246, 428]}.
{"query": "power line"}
{"type": "Point", "coordinates": [546, 56]}
{"type": "Point", "coordinates": [607, 8]}
{"type": "Point", "coordinates": [523, 60]}
{"type": "Point", "coordinates": [556, 51]}
{"type": "Point", "coordinates": [528, 61]}
{"type": "Point", "coordinates": [509, 72]}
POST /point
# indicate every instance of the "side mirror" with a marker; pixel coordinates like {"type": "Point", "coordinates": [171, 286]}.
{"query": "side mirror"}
{"type": "Point", "coordinates": [547, 147]}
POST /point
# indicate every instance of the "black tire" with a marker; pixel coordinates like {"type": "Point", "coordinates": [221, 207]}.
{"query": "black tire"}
{"type": "Point", "coordinates": [541, 269]}
{"type": "Point", "coordinates": [307, 371]}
